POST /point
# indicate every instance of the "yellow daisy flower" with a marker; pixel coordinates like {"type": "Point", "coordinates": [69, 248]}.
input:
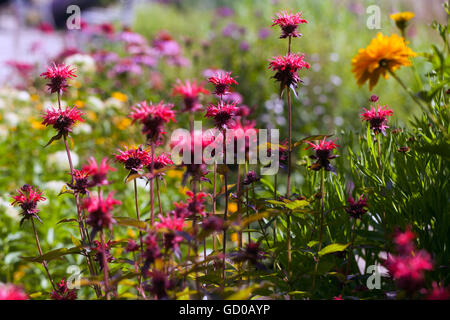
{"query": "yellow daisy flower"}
{"type": "Point", "coordinates": [384, 54]}
{"type": "Point", "coordinates": [402, 18]}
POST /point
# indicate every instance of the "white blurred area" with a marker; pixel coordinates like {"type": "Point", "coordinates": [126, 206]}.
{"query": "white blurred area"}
{"type": "Point", "coordinates": [22, 41]}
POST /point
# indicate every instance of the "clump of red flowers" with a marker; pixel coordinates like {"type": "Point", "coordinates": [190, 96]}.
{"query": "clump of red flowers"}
{"type": "Point", "coordinates": [134, 159]}
{"type": "Point", "coordinates": [323, 154]}
{"type": "Point", "coordinates": [159, 163]}
{"type": "Point", "coordinates": [289, 23]}
{"type": "Point", "coordinates": [171, 225]}
{"type": "Point", "coordinates": [62, 292]}
{"type": "Point", "coordinates": [58, 76]}
{"type": "Point", "coordinates": [11, 292]}
{"type": "Point", "coordinates": [356, 209]}
{"type": "Point", "coordinates": [377, 118]}
{"type": "Point", "coordinates": [190, 92]}
{"type": "Point", "coordinates": [286, 69]}
{"type": "Point", "coordinates": [409, 266]}
{"type": "Point", "coordinates": [223, 113]}
{"type": "Point", "coordinates": [62, 120]}
{"type": "Point", "coordinates": [101, 250]}
{"type": "Point", "coordinates": [222, 80]}
{"type": "Point", "coordinates": [27, 199]}
{"type": "Point", "coordinates": [153, 117]}
{"type": "Point", "coordinates": [196, 202]}
{"type": "Point", "coordinates": [100, 212]}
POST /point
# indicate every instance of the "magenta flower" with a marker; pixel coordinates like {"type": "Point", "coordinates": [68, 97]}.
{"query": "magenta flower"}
{"type": "Point", "coordinates": [323, 154]}
{"type": "Point", "coordinates": [152, 251]}
{"type": "Point", "coordinates": [171, 225]}
{"type": "Point", "coordinates": [62, 120]}
{"type": "Point", "coordinates": [103, 250]}
{"type": "Point", "coordinates": [286, 68]}
{"type": "Point", "coordinates": [356, 209]}
{"type": "Point", "coordinates": [11, 292]}
{"type": "Point", "coordinates": [153, 117]}
{"type": "Point", "coordinates": [100, 212]}
{"type": "Point", "coordinates": [134, 159]}
{"type": "Point", "coordinates": [213, 223]}
{"type": "Point", "coordinates": [159, 163]}
{"type": "Point", "coordinates": [251, 253]}
{"type": "Point", "coordinates": [58, 75]}
{"type": "Point", "coordinates": [80, 182]}
{"type": "Point", "coordinates": [438, 293]}
{"type": "Point", "coordinates": [132, 246]}
{"type": "Point", "coordinates": [223, 113]}
{"type": "Point", "coordinates": [196, 203]}
{"type": "Point", "coordinates": [404, 241]}
{"type": "Point", "coordinates": [222, 80]}
{"type": "Point", "coordinates": [27, 199]}
{"type": "Point", "coordinates": [22, 68]}
{"type": "Point", "coordinates": [288, 23]}
{"type": "Point", "coordinates": [62, 292]}
{"type": "Point", "coordinates": [377, 117]}
{"type": "Point", "coordinates": [190, 92]}
{"type": "Point", "coordinates": [98, 172]}
{"type": "Point", "coordinates": [159, 284]}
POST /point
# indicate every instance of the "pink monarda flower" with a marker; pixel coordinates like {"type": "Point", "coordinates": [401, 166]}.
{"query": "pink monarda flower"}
{"type": "Point", "coordinates": [62, 292]}
{"type": "Point", "coordinates": [222, 113]}
{"type": "Point", "coordinates": [153, 117]}
{"type": "Point", "coordinates": [98, 172]}
{"type": "Point", "coordinates": [190, 92]}
{"type": "Point", "coordinates": [27, 199]}
{"type": "Point", "coordinates": [11, 292]}
{"type": "Point", "coordinates": [438, 293]}
{"type": "Point", "coordinates": [62, 120]}
{"type": "Point", "coordinates": [101, 250]}
{"type": "Point", "coordinates": [404, 241]}
{"type": "Point", "coordinates": [134, 159]}
{"type": "Point", "coordinates": [196, 203]}
{"type": "Point", "coordinates": [80, 182]}
{"type": "Point", "coordinates": [171, 225]}
{"type": "Point", "coordinates": [288, 23]}
{"type": "Point", "coordinates": [286, 68]}
{"type": "Point", "coordinates": [58, 75]}
{"type": "Point", "coordinates": [100, 211]}
{"type": "Point", "coordinates": [356, 209]}
{"type": "Point", "coordinates": [323, 154]}
{"type": "Point", "coordinates": [159, 163]}
{"type": "Point", "coordinates": [377, 118]}
{"type": "Point", "coordinates": [222, 80]}
{"type": "Point", "coordinates": [22, 68]}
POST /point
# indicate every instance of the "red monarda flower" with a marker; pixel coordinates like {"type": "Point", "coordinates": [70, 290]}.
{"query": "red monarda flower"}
{"type": "Point", "coordinates": [196, 204]}
{"type": "Point", "coordinates": [377, 117]}
{"type": "Point", "coordinates": [98, 172]}
{"type": "Point", "coordinates": [62, 292]}
{"type": "Point", "coordinates": [438, 293]}
{"type": "Point", "coordinates": [62, 120]}
{"type": "Point", "coordinates": [171, 225]}
{"type": "Point", "coordinates": [404, 241]}
{"type": "Point", "coordinates": [153, 117]}
{"type": "Point", "coordinates": [356, 209]}
{"type": "Point", "coordinates": [11, 292]}
{"type": "Point", "coordinates": [100, 211]}
{"type": "Point", "coordinates": [159, 163]}
{"type": "Point", "coordinates": [286, 68]}
{"type": "Point", "coordinates": [190, 92]}
{"type": "Point", "coordinates": [103, 250]}
{"type": "Point", "coordinates": [58, 75]}
{"type": "Point", "coordinates": [323, 154]}
{"type": "Point", "coordinates": [134, 159]}
{"type": "Point", "coordinates": [27, 199]}
{"type": "Point", "coordinates": [288, 23]}
{"type": "Point", "coordinates": [222, 80]}
{"type": "Point", "coordinates": [222, 113]}
{"type": "Point", "coordinates": [80, 182]}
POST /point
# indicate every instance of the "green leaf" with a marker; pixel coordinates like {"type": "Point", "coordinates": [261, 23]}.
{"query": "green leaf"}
{"type": "Point", "coordinates": [296, 204]}
{"type": "Point", "coordinates": [52, 255]}
{"type": "Point", "coordinates": [335, 247]}
{"type": "Point", "coordinates": [130, 222]}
